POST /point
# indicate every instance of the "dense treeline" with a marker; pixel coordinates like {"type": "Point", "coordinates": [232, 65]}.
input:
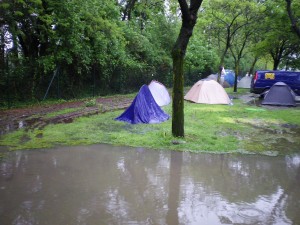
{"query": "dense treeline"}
{"type": "Point", "coordinates": [70, 49]}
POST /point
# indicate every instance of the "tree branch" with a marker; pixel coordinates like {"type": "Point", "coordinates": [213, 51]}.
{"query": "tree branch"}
{"type": "Point", "coordinates": [292, 19]}
{"type": "Point", "coordinates": [184, 9]}
{"type": "Point", "coordinates": [195, 5]}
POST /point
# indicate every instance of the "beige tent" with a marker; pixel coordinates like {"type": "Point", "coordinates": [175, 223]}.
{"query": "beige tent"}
{"type": "Point", "coordinates": [207, 92]}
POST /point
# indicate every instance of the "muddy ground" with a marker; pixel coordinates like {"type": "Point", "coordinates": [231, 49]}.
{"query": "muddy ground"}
{"type": "Point", "coordinates": [35, 117]}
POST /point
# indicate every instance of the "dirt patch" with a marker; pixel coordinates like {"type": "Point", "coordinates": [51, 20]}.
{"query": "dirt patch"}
{"type": "Point", "coordinates": [35, 117]}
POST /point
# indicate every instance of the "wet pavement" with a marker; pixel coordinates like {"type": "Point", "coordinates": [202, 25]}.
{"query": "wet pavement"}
{"type": "Point", "coordinates": [103, 184]}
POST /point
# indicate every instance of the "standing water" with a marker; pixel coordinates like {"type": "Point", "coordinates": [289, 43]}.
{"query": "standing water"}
{"type": "Point", "coordinates": [103, 184]}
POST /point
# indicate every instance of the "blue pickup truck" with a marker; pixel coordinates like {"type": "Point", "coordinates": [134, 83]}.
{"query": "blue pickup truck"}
{"type": "Point", "coordinates": [263, 80]}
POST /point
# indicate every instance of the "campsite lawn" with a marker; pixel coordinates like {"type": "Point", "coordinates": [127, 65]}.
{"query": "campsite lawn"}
{"type": "Point", "coordinates": [208, 128]}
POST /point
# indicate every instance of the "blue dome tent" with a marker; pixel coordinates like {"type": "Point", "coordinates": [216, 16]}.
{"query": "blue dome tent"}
{"type": "Point", "coordinates": [143, 109]}
{"type": "Point", "coordinates": [229, 77]}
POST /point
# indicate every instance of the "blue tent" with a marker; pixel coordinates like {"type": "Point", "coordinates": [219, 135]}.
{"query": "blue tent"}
{"type": "Point", "coordinates": [229, 77]}
{"type": "Point", "coordinates": [143, 109]}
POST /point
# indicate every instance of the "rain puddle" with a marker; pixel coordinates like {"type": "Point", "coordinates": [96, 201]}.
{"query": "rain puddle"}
{"type": "Point", "coordinates": [102, 184]}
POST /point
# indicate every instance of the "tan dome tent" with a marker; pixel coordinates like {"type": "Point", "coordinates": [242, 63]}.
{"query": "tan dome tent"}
{"type": "Point", "coordinates": [159, 93]}
{"type": "Point", "coordinates": [207, 92]}
{"type": "Point", "coordinates": [245, 82]}
{"type": "Point", "coordinates": [280, 94]}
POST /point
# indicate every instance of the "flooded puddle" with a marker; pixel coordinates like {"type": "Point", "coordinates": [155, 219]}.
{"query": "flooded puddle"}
{"type": "Point", "coordinates": [103, 184]}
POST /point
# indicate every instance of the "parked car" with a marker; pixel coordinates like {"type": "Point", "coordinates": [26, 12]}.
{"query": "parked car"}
{"type": "Point", "coordinates": [262, 81]}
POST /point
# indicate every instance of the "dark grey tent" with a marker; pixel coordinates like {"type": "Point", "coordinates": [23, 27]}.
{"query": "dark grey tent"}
{"type": "Point", "coordinates": [280, 94]}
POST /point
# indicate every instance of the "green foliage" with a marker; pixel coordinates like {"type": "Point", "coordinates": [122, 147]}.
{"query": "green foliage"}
{"type": "Point", "coordinates": [90, 103]}
{"type": "Point", "coordinates": [97, 51]}
{"type": "Point", "coordinates": [201, 55]}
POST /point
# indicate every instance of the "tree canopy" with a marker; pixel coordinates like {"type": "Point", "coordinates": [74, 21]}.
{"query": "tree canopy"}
{"type": "Point", "coordinates": [98, 47]}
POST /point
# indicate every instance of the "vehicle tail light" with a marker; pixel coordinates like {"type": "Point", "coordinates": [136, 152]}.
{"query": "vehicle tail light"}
{"type": "Point", "coordinates": [255, 77]}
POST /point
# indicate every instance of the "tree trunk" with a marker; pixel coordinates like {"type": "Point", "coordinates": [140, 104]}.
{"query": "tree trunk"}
{"type": "Point", "coordinates": [189, 19]}
{"type": "Point", "coordinates": [276, 64]}
{"type": "Point", "coordinates": [236, 70]}
{"type": "Point", "coordinates": [2, 50]}
{"type": "Point", "coordinates": [221, 68]}
{"type": "Point", "coordinates": [178, 102]}
{"type": "Point", "coordinates": [251, 70]}
{"type": "Point", "coordinates": [128, 8]}
{"type": "Point", "coordinates": [228, 40]}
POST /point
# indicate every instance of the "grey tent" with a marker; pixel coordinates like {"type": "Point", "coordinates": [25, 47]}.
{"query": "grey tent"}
{"type": "Point", "coordinates": [223, 82]}
{"type": "Point", "coordinates": [245, 82]}
{"type": "Point", "coordinates": [280, 94]}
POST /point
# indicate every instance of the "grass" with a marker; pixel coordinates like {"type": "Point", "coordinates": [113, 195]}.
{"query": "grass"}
{"type": "Point", "coordinates": [208, 128]}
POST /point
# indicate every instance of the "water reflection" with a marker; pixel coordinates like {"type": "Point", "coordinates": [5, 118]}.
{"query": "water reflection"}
{"type": "Point", "coordinates": [113, 185]}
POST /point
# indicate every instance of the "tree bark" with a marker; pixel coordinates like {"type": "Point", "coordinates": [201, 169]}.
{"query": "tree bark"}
{"type": "Point", "coordinates": [228, 40]}
{"type": "Point", "coordinates": [2, 51]}
{"type": "Point", "coordinates": [251, 70]}
{"type": "Point", "coordinates": [189, 19]}
{"type": "Point", "coordinates": [128, 8]}
{"type": "Point", "coordinates": [236, 71]}
{"type": "Point", "coordinates": [277, 54]}
{"type": "Point", "coordinates": [292, 18]}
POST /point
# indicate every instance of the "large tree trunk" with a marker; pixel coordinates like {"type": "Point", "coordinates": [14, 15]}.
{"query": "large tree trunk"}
{"type": "Point", "coordinates": [178, 80]}
{"type": "Point", "coordinates": [189, 19]}
{"type": "Point", "coordinates": [178, 102]}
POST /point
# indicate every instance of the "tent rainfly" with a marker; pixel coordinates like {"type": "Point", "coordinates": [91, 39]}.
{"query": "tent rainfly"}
{"type": "Point", "coordinates": [143, 109]}
{"type": "Point", "coordinates": [245, 82]}
{"type": "Point", "coordinates": [159, 93]}
{"type": "Point", "coordinates": [280, 94]}
{"type": "Point", "coordinates": [207, 92]}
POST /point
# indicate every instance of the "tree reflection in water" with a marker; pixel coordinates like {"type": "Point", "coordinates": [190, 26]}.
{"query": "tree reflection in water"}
{"type": "Point", "coordinates": [117, 185]}
{"type": "Point", "coordinates": [174, 188]}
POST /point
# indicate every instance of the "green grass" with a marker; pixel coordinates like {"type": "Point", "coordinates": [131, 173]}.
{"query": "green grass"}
{"type": "Point", "coordinates": [208, 128]}
{"type": "Point", "coordinates": [239, 90]}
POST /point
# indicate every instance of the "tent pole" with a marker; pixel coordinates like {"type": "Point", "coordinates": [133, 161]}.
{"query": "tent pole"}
{"type": "Point", "coordinates": [7, 84]}
{"type": "Point", "coordinates": [54, 74]}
